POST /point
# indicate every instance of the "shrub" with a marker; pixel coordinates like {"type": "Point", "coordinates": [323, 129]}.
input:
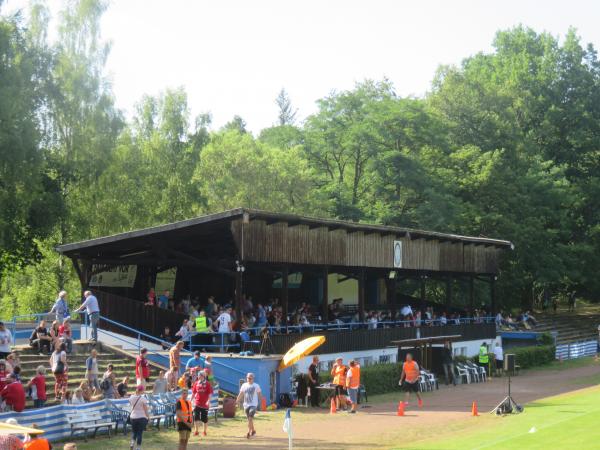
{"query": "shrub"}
{"type": "Point", "coordinates": [546, 339]}
{"type": "Point", "coordinates": [527, 357]}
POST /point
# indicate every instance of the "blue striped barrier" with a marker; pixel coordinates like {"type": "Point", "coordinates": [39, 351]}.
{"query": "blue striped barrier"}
{"type": "Point", "coordinates": [576, 350]}
{"type": "Point", "coordinates": [53, 419]}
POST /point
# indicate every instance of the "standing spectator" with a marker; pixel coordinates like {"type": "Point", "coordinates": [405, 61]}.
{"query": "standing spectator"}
{"type": "Point", "coordinates": [572, 301]}
{"type": "Point", "coordinates": [13, 394]}
{"type": "Point", "coordinates": [184, 414]}
{"type": "Point", "coordinates": [142, 369]}
{"type": "Point", "coordinates": [91, 369]}
{"type": "Point", "coordinates": [313, 381]}
{"type": "Point", "coordinates": [93, 311]}
{"type": "Point", "coordinates": [160, 384]}
{"type": "Point", "coordinates": [201, 392]}
{"type": "Point", "coordinates": [65, 334]}
{"type": "Point", "coordinates": [108, 383]}
{"type": "Point", "coordinates": [171, 378]}
{"type": "Point", "coordinates": [139, 417]}
{"type": "Point", "coordinates": [224, 327]}
{"type": "Point", "coordinates": [338, 372]}
{"type": "Point", "coordinates": [353, 384]}
{"type": "Point", "coordinates": [60, 307]}
{"type": "Point", "coordinates": [122, 388]}
{"type": "Point", "coordinates": [58, 364]}
{"type": "Point", "coordinates": [448, 363]}
{"type": "Point", "coordinates": [5, 341]}
{"type": "Point", "coordinates": [150, 297]}
{"type": "Point", "coordinates": [40, 339]}
{"type": "Point", "coordinates": [499, 357]}
{"type": "Point", "coordinates": [249, 397]}
{"type": "Point", "coordinates": [484, 359]}
{"type": "Point", "coordinates": [211, 307]}
{"type": "Point", "coordinates": [175, 357]}
{"type": "Point", "coordinates": [163, 300]}
{"type": "Point", "coordinates": [38, 387]}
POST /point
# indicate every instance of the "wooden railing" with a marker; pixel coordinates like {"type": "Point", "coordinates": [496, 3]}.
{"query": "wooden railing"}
{"type": "Point", "coordinates": [133, 313]}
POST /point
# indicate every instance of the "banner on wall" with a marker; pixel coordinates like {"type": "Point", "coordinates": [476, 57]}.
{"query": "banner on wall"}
{"type": "Point", "coordinates": [118, 276]}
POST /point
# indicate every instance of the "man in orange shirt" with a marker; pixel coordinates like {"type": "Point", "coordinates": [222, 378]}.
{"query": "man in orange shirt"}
{"type": "Point", "coordinates": [353, 383]}
{"type": "Point", "coordinates": [409, 379]}
{"type": "Point", "coordinates": [338, 372]}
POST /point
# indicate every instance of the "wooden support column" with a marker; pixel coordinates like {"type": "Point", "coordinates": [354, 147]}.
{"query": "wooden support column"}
{"type": "Point", "coordinates": [238, 293]}
{"type": "Point", "coordinates": [448, 295]}
{"type": "Point", "coordinates": [324, 304]}
{"type": "Point", "coordinates": [493, 293]}
{"type": "Point", "coordinates": [471, 295]}
{"type": "Point", "coordinates": [391, 294]}
{"type": "Point", "coordinates": [361, 296]}
{"type": "Point", "coordinates": [284, 291]}
{"type": "Point", "coordinates": [422, 304]}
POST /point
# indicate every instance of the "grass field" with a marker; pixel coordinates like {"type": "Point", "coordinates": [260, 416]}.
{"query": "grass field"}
{"type": "Point", "coordinates": [567, 421]}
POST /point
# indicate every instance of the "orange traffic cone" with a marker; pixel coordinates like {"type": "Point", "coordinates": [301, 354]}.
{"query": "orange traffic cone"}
{"type": "Point", "coordinates": [400, 411]}
{"type": "Point", "coordinates": [474, 409]}
{"type": "Point", "coordinates": [263, 404]}
{"type": "Point", "coordinates": [332, 409]}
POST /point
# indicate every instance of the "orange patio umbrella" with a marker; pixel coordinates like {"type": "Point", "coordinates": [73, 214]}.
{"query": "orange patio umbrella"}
{"type": "Point", "coordinates": [300, 350]}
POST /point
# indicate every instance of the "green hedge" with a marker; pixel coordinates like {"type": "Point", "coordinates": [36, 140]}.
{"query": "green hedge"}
{"type": "Point", "coordinates": [377, 378]}
{"type": "Point", "coordinates": [527, 357]}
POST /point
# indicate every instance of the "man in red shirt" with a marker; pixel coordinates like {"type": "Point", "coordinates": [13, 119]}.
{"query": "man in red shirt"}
{"type": "Point", "coordinates": [142, 369]}
{"type": "Point", "coordinates": [201, 392]}
{"type": "Point", "coordinates": [14, 394]}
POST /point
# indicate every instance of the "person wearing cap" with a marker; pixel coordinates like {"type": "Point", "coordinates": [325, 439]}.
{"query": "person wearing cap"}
{"type": "Point", "coordinates": [201, 392]}
{"type": "Point", "coordinates": [353, 383]}
{"type": "Point", "coordinates": [13, 394]}
{"type": "Point", "coordinates": [5, 341]}
{"type": "Point", "coordinates": [338, 372]}
{"type": "Point", "coordinates": [139, 416]}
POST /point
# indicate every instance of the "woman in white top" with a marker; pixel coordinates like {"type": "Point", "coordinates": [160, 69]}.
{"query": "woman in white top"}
{"type": "Point", "coordinates": [139, 416]}
{"type": "Point", "coordinates": [78, 397]}
{"type": "Point", "coordinates": [58, 364]}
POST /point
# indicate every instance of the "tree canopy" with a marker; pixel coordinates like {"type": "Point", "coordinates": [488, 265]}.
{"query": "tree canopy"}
{"type": "Point", "coordinates": [505, 145]}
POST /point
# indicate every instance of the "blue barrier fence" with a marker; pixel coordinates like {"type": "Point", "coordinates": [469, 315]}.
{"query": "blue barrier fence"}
{"type": "Point", "coordinates": [576, 350]}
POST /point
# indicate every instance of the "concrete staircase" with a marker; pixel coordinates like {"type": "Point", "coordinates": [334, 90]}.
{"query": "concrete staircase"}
{"type": "Point", "coordinates": [571, 327]}
{"type": "Point", "coordinates": [123, 363]}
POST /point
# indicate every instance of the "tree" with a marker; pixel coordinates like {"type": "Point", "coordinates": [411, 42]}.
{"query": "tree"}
{"type": "Point", "coordinates": [287, 113]}
{"type": "Point", "coordinates": [237, 124]}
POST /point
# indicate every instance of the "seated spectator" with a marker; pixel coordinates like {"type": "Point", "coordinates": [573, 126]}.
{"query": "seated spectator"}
{"type": "Point", "coordinates": [54, 337]}
{"type": "Point", "coordinates": [78, 397]}
{"type": "Point", "coordinates": [67, 398]}
{"type": "Point", "coordinates": [86, 391]}
{"type": "Point", "coordinates": [443, 319]}
{"type": "Point", "coordinates": [122, 388]}
{"type": "Point", "coordinates": [66, 334]}
{"type": "Point", "coordinates": [40, 339]}
{"type": "Point", "coordinates": [372, 321]}
{"type": "Point", "coordinates": [13, 360]}
{"type": "Point", "coordinates": [16, 372]}
{"type": "Point", "coordinates": [108, 383]}
{"type": "Point", "coordinates": [160, 384]}
{"type": "Point", "coordinates": [4, 374]}
{"type": "Point", "coordinates": [184, 330]}
{"type": "Point", "coordinates": [37, 387]}
{"type": "Point", "coordinates": [13, 395]}
{"type": "Point", "coordinates": [167, 338]}
{"type": "Point", "coordinates": [511, 323]}
{"type": "Point", "coordinates": [530, 319]}
{"type": "Point", "coordinates": [499, 319]}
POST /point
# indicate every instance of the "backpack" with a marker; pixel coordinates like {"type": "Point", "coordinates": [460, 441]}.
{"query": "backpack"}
{"type": "Point", "coordinates": [285, 401]}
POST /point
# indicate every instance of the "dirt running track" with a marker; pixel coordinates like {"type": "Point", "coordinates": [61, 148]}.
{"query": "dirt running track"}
{"type": "Point", "coordinates": [375, 427]}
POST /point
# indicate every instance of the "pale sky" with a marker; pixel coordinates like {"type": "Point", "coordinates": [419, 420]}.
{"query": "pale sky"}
{"type": "Point", "coordinates": [233, 56]}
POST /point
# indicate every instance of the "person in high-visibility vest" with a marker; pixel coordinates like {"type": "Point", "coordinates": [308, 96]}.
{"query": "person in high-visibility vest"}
{"type": "Point", "coordinates": [484, 359]}
{"type": "Point", "coordinates": [185, 419]}
{"type": "Point", "coordinates": [353, 383]}
{"type": "Point", "coordinates": [202, 325]}
{"type": "Point", "coordinates": [409, 379]}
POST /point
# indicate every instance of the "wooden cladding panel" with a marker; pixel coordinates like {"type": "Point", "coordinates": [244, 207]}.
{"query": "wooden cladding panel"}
{"type": "Point", "coordinates": [299, 244]}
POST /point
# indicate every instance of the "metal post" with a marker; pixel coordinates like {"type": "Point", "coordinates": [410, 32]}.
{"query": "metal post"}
{"type": "Point", "coordinates": [361, 296]}
{"type": "Point", "coordinates": [471, 295]}
{"type": "Point", "coordinates": [325, 310]}
{"type": "Point", "coordinates": [493, 293]}
{"type": "Point", "coordinates": [284, 292]}
{"type": "Point", "coordinates": [422, 305]}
